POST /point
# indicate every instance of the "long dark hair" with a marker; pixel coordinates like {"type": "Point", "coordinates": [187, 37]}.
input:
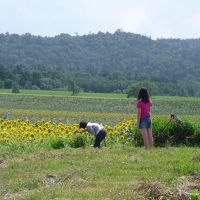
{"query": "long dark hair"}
{"type": "Point", "coordinates": [143, 95]}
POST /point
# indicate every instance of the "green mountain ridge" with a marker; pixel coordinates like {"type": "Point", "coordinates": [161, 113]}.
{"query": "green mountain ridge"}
{"type": "Point", "coordinates": [101, 62]}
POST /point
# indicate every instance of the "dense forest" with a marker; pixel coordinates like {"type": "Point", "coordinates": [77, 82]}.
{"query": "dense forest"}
{"type": "Point", "coordinates": [101, 62]}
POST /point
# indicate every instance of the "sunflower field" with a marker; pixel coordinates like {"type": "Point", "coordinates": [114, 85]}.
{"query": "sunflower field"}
{"type": "Point", "coordinates": [14, 131]}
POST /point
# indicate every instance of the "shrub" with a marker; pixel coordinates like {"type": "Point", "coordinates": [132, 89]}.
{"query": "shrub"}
{"type": "Point", "coordinates": [181, 133]}
{"type": "Point", "coordinates": [57, 143]}
{"type": "Point", "coordinates": [161, 131]}
{"type": "Point", "coordinates": [138, 141]}
{"type": "Point", "coordinates": [77, 141]}
{"type": "Point", "coordinates": [134, 136]}
{"type": "Point", "coordinates": [196, 139]}
{"type": "Point", "coordinates": [175, 133]}
{"type": "Point", "coordinates": [15, 88]}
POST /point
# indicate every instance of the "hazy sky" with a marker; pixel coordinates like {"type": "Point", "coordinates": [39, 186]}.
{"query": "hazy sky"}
{"type": "Point", "coordinates": [154, 18]}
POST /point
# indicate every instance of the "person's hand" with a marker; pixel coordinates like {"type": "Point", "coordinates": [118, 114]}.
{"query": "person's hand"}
{"type": "Point", "coordinates": [76, 131]}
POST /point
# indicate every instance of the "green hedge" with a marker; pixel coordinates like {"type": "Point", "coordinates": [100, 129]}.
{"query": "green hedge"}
{"type": "Point", "coordinates": [166, 132]}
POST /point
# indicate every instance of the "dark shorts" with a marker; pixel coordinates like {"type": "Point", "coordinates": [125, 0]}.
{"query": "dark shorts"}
{"type": "Point", "coordinates": [145, 122]}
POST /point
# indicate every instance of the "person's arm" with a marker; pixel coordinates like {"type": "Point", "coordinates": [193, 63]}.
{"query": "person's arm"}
{"type": "Point", "coordinates": [80, 130]}
{"type": "Point", "coordinates": [138, 116]}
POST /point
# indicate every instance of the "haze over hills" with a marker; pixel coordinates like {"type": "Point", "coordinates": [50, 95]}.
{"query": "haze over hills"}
{"type": "Point", "coordinates": [101, 62]}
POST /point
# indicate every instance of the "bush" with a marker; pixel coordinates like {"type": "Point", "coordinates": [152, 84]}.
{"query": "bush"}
{"type": "Point", "coordinates": [181, 133]}
{"type": "Point", "coordinates": [196, 139]}
{"type": "Point", "coordinates": [134, 137]}
{"type": "Point", "coordinates": [175, 133]}
{"type": "Point", "coordinates": [57, 143]}
{"type": "Point", "coordinates": [15, 88]}
{"type": "Point", "coordinates": [78, 140]}
{"type": "Point", "coordinates": [165, 132]}
{"type": "Point", "coordinates": [161, 131]}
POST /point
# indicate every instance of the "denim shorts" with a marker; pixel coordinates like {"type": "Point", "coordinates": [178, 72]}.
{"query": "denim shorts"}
{"type": "Point", "coordinates": [145, 122]}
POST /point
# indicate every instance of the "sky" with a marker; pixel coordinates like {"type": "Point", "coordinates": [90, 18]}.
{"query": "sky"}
{"type": "Point", "coordinates": [152, 18]}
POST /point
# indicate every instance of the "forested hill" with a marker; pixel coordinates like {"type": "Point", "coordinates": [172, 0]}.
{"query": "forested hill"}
{"type": "Point", "coordinates": [101, 62]}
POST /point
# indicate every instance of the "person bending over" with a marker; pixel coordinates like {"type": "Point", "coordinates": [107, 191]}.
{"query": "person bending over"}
{"type": "Point", "coordinates": [95, 129]}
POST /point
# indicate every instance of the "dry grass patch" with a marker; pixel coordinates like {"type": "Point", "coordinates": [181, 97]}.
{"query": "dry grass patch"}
{"type": "Point", "coordinates": [182, 188]}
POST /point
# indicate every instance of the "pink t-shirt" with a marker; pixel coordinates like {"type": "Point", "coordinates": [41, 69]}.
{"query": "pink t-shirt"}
{"type": "Point", "coordinates": [145, 108]}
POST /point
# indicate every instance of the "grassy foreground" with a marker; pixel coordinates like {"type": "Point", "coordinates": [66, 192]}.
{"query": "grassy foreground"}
{"type": "Point", "coordinates": [118, 172]}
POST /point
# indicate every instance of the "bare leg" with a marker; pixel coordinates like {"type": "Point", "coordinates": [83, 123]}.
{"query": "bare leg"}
{"type": "Point", "coordinates": [145, 137]}
{"type": "Point", "coordinates": [150, 137]}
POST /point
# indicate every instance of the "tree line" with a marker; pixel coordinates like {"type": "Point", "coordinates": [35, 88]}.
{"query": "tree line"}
{"type": "Point", "coordinates": [102, 62]}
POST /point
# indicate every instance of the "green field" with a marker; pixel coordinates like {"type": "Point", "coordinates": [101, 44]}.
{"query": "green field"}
{"type": "Point", "coordinates": [105, 108]}
{"type": "Point", "coordinates": [117, 171]}
{"type": "Point", "coordinates": [63, 93]}
{"type": "Point", "coordinates": [96, 103]}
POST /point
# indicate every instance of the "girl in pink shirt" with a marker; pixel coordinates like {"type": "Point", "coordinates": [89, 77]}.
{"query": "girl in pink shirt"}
{"type": "Point", "coordinates": [144, 121]}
